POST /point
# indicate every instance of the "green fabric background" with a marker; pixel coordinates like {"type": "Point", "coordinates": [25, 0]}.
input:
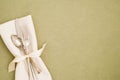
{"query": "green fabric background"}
{"type": "Point", "coordinates": [83, 37]}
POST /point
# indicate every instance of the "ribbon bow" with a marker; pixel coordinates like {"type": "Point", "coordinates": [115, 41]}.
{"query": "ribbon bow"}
{"type": "Point", "coordinates": [18, 59]}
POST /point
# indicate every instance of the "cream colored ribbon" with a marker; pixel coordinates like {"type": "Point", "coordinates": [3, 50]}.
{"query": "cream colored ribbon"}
{"type": "Point", "coordinates": [18, 59]}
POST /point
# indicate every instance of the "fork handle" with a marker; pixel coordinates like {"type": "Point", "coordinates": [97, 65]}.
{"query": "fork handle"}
{"type": "Point", "coordinates": [37, 68]}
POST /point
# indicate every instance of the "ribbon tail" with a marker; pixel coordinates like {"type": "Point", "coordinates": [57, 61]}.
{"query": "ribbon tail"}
{"type": "Point", "coordinates": [11, 67]}
{"type": "Point", "coordinates": [41, 50]}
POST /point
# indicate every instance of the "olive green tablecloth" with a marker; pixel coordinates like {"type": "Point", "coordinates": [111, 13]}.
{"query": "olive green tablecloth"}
{"type": "Point", "coordinates": [83, 37]}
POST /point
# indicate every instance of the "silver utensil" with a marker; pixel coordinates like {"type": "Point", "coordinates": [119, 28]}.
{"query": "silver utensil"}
{"type": "Point", "coordinates": [24, 38]}
{"type": "Point", "coordinates": [26, 44]}
{"type": "Point", "coordinates": [18, 43]}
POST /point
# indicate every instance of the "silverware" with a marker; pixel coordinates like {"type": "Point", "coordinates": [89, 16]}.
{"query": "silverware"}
{"type": "Point", "coordinates": [22, 33]}
{"type": "Point", "coordinates": [23, 46]}
{"type": "Point", "coordinates": [22, 41]}
{"type": "Point", "coordinates": [26, 44]}
{"type": "Point", "coordinates": [18, 43]}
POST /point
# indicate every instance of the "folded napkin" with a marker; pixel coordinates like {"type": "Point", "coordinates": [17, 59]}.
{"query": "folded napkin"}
{"type": "Point", "coordinates": [24, 25]}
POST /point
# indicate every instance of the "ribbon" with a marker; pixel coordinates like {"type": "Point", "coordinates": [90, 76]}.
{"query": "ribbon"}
{"type": "Point", "coordinates": [18, 59]}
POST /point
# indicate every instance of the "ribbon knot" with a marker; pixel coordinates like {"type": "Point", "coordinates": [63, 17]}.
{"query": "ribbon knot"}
{"type": "Point", "coordinates": [18, 59]}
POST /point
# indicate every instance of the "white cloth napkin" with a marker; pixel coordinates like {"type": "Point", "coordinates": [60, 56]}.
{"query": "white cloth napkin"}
{"type": "Point", "coordinates": [6, 30]}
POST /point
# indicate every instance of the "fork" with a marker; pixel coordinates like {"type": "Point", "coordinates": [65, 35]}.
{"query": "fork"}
{"type": "Point", "coordinates": [26, 43]}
